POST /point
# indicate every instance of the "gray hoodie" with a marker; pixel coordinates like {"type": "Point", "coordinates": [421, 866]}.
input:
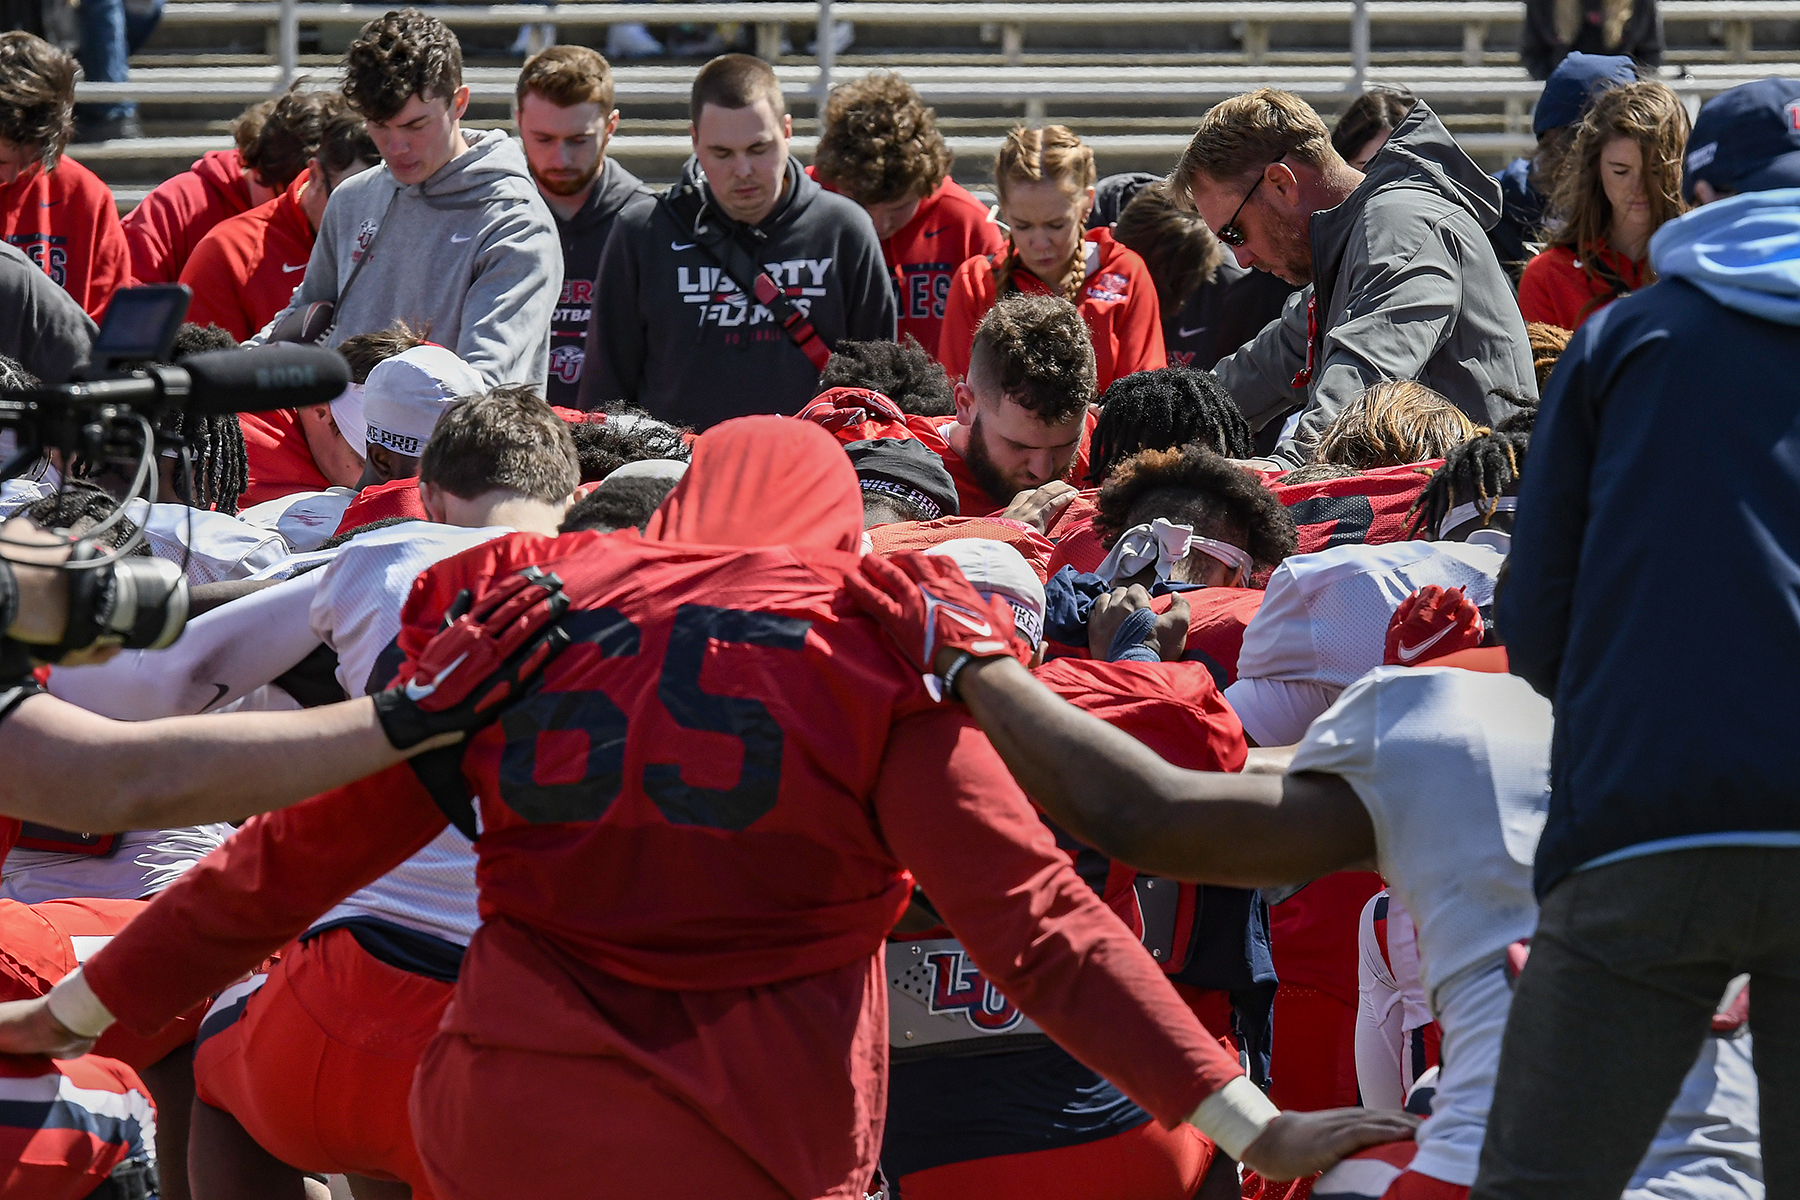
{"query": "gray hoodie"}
{"type": "Point", "coordinates": [472, 253]}
{"type": "Point", "coordinates": [1408, 288]}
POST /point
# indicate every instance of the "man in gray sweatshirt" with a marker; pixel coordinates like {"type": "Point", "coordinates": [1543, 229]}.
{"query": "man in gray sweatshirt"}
{"type": "Point", "coordinates": [1397, 278]}
{"type": "Point", "coordinates": [449, 234]}
{"type": "Point", "coordinates": [675, 329]}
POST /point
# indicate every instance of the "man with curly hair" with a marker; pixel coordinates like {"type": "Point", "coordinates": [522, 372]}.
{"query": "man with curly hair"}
{"type": "Point", "coordinates": [56, 211]}
{"type": "Point", "coordinates": [449, 233]}
{"type": "Point", "coordinates": [879, 145]}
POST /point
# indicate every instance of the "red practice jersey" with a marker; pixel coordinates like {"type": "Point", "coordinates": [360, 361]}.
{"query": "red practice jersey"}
{"type": "Point", "coordinates": [382, 501]}
{"type": "Point", "coordinates": [168, 223]}
{"type": "Point", "coordinates": [1033, 546]}
{"type": "Point", "coordinates": [245, 270]}
{"type": "Point", "coordinates": [1118, 302]}
{"type": "Point", "coordinates": [281, 463]}
{"type": "Point", "coordinates": [858, 414]}
{"type": "Point", "coordinates": [1372, 507]}
{"type": "Point", "coordinates": [66, 1124]}
{"type": "Point", "coordinates": [66, 221]}
{"type": "Point", "coordinates": [692, 849]}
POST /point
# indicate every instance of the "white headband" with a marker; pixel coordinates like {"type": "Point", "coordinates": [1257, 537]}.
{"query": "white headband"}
{"type": "Point", "coordinates": [1165, 543]}
{"type": "Point", "coordinates": [1476, 510]}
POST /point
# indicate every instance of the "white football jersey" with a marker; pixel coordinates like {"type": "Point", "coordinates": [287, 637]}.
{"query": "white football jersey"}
{"type": "Point", "coordinates": [213, 546]}
{"type": "Point", "coordinates": [356, 611]}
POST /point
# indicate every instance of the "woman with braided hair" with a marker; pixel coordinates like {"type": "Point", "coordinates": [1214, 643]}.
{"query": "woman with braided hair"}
{"type": "Point", "coordinates": [1162, 409]}
{"type": "Point", "coordinates": [1045, 181]}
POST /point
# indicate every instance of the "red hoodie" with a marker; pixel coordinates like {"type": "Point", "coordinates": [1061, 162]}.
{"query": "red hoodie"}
{"type": "Point", "coordinates": [281, 463]}
{"type": "Point", "coordinates": [164, 228]}
{"type": "Point", "coordinates": [1557, 290]}
{"type": "Point", "coordinates": [246, 268]}
{"type": "Point", "coordinates": [1118, 302]}
{"type": "Point", "coordinates": [65, 219]}
{"type": "Point", "coordinates": [692, 847]}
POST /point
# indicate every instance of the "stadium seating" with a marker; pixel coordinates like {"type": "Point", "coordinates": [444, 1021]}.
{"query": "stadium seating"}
{"type": "Point", "coordinates": [1131, 74]}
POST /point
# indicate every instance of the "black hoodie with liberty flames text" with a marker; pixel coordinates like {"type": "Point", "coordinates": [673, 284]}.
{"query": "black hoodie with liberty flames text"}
{"type": "Point", "coordinates": [583, 238]}
{"type": "Point", "coordinates": [675, 335]}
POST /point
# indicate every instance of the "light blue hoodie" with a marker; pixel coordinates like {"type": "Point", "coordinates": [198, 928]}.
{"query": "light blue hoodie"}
{"type": "Point", "coordinates": [1744, 252]}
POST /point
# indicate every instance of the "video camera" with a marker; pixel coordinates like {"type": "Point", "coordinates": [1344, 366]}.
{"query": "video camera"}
{"type": "Point", "coordinates": [117, 409]}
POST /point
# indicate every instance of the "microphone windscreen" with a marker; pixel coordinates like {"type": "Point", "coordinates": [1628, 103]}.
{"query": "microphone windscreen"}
{"type": "Point", "coordinates": [264, 377]}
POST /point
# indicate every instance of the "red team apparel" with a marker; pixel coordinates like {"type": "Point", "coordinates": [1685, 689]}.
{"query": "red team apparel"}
{"type": "Point", "coordinates": [245, 270]}
{"type": "Point", "coordinates": [1557, 290]}
{"type": "Point", "coordinates": [1118, 302]}
{"type": "Point", "coordinates": [1009, 1117]}
{"type": "Point", "coordinates": [164, 228]}
{"type": "Point", "coordinates": [66, 222]}
{"type": "Point", "coordinates": [41, 943]}
{"type": "Point", "coordinates": [950, 228]}
{"type": "Point", "coordinates": [382, 502]}
{"type": "Point", "coordinates": [858, 414]}
{"type": "Point", "coordinates": [66, 1125]}
{"type": "Point", "coordinates": [691, 852]}
{"type": "Point", "coordinates": [281, 463]}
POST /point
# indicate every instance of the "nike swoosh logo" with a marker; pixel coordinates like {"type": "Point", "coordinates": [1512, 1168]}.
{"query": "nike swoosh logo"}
{"type": "Point", "coordinates": [224, 690]}
{"type": "Point", "coordinates": [48, 203]}
{"type": "Point", "coordinates": [931, 232]}
{"type": "Point", "coordinates": [1410, 654]}
{"type": "Point", "coordinates": [682, 245]}
{"type": "Point", "coordinates": [415, 693]}
{"type": "Point", "coordinates": [457, 241]}
{"type": "Point", "coordinates": [981, 628]}
{"type": "Point", "coordinates": [301, 267]}
{"type": "Point", "coordinates": [1184, 331]}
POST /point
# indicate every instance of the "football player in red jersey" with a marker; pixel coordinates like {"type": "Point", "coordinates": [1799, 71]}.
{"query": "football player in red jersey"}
{"type": "Point", "coordinates": [879, 144]}
{"type": "Point", "coordinates": [690, 850]}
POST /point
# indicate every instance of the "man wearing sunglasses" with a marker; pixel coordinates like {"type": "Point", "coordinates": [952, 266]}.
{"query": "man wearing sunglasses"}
{"type": "Point", "coordinates": [1397, 278]}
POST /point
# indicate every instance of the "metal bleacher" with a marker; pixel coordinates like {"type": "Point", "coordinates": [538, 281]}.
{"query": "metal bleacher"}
{"type": "Point", "coordinates": [1132, 75]}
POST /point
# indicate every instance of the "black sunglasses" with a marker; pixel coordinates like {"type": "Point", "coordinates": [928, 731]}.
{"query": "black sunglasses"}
{"type": "Point", "coordinates": [1229, 233]}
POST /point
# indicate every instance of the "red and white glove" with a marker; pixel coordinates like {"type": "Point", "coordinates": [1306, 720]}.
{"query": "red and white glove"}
{"type": "Point", "coordinates": [485, 656]}
{"type": "Point", "coordinates": [929, 607]}
{"type": "Point", "coordinates": [1431, 623]}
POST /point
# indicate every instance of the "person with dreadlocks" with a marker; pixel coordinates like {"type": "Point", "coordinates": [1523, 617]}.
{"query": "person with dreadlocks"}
{"type": "Point", "coordinates": [627, 435]}
{"type": "Point", "coordinates": [1045, 180]}
{"type": "Point", "coordinates": [1162, 409]}
{"type": "Point", "coordinates": [1472, 497]}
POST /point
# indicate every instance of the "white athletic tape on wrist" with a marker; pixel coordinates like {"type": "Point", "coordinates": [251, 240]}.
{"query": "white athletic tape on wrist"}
{"type": "Point", "coordinates": [1234, 1116]}
{"type": "Point", "coordinates": [73, 1003]}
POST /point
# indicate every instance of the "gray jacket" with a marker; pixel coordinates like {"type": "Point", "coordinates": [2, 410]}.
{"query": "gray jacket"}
{"type": "Point", "coordinates": [1409, 288]}
{"type": "Point", "coordinates": [45, 331]}
{"type": "Point", "coordinates": [472, 252]}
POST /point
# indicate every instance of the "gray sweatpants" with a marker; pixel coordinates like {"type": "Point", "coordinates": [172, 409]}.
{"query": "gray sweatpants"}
{"type": "Point", "coordinates": [1628, 962]}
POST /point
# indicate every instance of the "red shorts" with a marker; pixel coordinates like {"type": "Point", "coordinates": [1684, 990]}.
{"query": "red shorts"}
{"type": "Point", "coordinates": [503, 1124]}
{"type": "Point", "coordinates": [43, 942]}
{"type": "Point", "coordinates": [316, 1063]}
{"type": "Point", "coordinates": [1314, 1064]}
{"type": "Point", "coordinates": [1379, 1173]}
{"type": "Point", "coordinates": [1146, 1163]}
{"type": "Point", "coordinates": [66, 1124]}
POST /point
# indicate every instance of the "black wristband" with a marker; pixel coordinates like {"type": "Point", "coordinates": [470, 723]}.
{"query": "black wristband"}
{"type": "Point", "coordinates": [947, 682]}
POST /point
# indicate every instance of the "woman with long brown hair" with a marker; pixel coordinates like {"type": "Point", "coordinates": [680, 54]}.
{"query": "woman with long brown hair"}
{"type": "Point", "coordinates": [1045, 181]}
{"type": "Point", "coordinates": [1621, 183]}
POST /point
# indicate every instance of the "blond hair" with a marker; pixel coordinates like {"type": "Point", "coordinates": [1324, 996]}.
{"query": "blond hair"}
{"type": "Point", "coordinates": [1241, 136]}
{"type": "Point", "coordinates": [1547, 343]}
{"type": "Point", "coordinates": [1393, 423]}
{"type": "Point", "coordinates": [1053, 153]}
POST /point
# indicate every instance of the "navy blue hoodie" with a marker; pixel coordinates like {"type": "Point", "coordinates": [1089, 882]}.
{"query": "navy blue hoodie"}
{"type": "Point", "coordinates": [1653, 592]}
